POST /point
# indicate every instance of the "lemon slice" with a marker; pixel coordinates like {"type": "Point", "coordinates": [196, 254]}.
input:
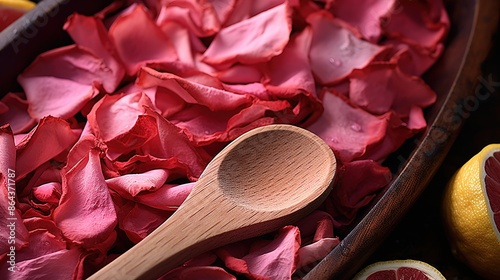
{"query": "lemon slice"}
{"type": "Point", "coordinates": [19, 4]}
{"type": "Point", "coordinates": [399, 269]}
{"type": "Point", "coordinates": [471, 209]}
{"type": "Point", "coordinates": [11, 10]}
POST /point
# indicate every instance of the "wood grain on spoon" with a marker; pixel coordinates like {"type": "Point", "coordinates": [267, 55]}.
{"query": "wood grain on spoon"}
{"type": "Point", "coordinates": [267, 178]}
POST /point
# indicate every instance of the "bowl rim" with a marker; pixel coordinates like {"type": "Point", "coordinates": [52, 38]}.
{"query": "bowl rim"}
{"type": "Point", "coordinates": [423, 162]}
{"type": "Point", "coordinates": [410, 181]}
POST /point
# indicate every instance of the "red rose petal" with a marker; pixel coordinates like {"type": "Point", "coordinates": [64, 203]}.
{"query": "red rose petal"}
{"type": "Point", "coordinates": [246, 9]}
{"type": "Point", "coordinates": [348, 130]}
{"type": "Point", "coordinates": [362, 180]}
{"type": "Point", "coordinates": [318, 239]}
{"type": "Point", "coordinates": [205, 272]}
{"type": "Point", "coordinates": [138, 40]}
{"type": "Point", "coordinates": [192, 92]}
{"type": "Point", "coordinates": [89, 32]}
{"type": "Point", "coordinates": [16, 114]}
{"type": "Point", "coordinates": [275, 259]}
{"type": "Point", "coordinates": [254, 40]}
{"type": "Point", "coordinates": [93, 221]}
{"type": "Point", "coordinates": [290, 78]}
{"type": "Point", "coordinates": [170, 142]}
{"type": "Point", "coordinates": [48, 139]}
{"type": "Point", "coordinates": [169, 197]}
{"type": "Point", "coordinates": [119, 121]}
{"type": "Point", "coordinates": [335, 50]}
{"type": "Point", "coordinates": [130, 185]}
{"type": "Point", "coordinates": [61, 81]}
{"type": "Point", "coordinates": [202, 19]}
{"type": "Point", "coordinates": [380, 87]}
{"type": "Point", "coordinates": [425, 23]}
{"type": "Point", "coordinates": [11, 225]}
{"type": "Point", "coordinates": [63, 263]}
{"type": "Point", "coordinates": [365, 15]}
{"type": "Point", "coordinates": [138, 220]}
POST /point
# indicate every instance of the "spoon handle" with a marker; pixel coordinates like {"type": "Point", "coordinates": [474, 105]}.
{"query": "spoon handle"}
{"type": "Point", "coordinates": [187, 233]}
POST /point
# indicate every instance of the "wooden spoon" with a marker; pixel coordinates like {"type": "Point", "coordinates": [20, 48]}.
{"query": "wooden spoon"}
{"type": "Point", "coordinates": [267, 178]}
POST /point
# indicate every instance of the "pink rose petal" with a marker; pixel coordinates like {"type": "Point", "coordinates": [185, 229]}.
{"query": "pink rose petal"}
{"type": "Point", "coordinates": [275, 259]}
{"type": "Point", "coordinates": [362, 180]}
{"type": "Point", "coordinates": [90, 33]}
{"type": "Point", "coordinates": [138, 40]}
{"type": "Point", "coordinates": [61, 81]}
{"type": "Point", "coordinates": [130, 185]}
{"type": "Point", "coordinates": [348, 130]}
{"type": "Point", "coordinates": [336, 50]}
{"type": "Point", "coordinates": [380, 87]}
{"type": "Point", "coordinates": [93, 221]}
{"type": "Point", "coordinates": [368, 19]}
{"type": "Point", "coordinates": [49, 138]}
{"type": "Point", "coordinates": [16, 114]}
{"type": "Point", "coordinates": [254, 40]}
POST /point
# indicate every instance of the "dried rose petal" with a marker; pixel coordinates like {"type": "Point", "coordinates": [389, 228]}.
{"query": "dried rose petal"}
{"type": "Point", "coordinates": [83, 184]}
{"type": "Point", "coordinates": [336, 50]}
{"type": "Point", "coordinates": [318, 238]}
{"type": "Point", "coordinates": [16, 114]}
{"type": "Point", "coordinates": [90, 33]}
{"type": "Point", "coordinates": [368, 19]}
{"type": "Point", "coordinates": [61, 81]}
{"type": "Point", "coordinates": [48, 139]}
{"type": "Point", "coordinates": [138, 40]}
{"type": "Point", "coordinates": [362, 180]}
{"type": "Point", "coordinates": [253, 40]}
{"type": "Point", "coordinates": [275, 259]}
{"type": "Point", "coordinates": [381, 87]}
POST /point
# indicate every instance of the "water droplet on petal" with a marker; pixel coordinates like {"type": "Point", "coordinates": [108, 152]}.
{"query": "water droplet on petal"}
{"type": "Point", "coordinates": [356, 127]}
{"type": "Point", "coordinates": [335, 62]}
{"type": "Point", "coordinates": [333, 140]}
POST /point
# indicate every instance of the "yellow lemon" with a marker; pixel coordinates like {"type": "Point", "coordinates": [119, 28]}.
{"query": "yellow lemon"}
{"type": "Point", "coordinates": [20, 4]}
{"type": "Point", "coordinates": [399, 269]}
{"type": "Point", "coordinates": [10, 10]}
{"type": "Point", "coordinates": [471, 209]}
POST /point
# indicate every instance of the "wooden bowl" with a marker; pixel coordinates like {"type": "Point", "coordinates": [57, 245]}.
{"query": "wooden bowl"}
{"type": "Point", "coordinates": [455, 78]}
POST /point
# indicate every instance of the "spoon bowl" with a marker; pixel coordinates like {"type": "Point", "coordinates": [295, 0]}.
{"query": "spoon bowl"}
{"type": "Point", "coordinates": [267, 178]}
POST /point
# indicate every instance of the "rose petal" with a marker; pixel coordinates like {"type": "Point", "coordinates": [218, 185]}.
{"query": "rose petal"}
{"type": "Point", "coordinates": [214, 98]}
{"type": "Point", "coordinates": [348, 130]}
{"type": "Point", "coordinates": [171, 142]}
{"type": "Point", "coordinates": [61, 81]}
{"type": "Point", "coordinates": [130, 185]}
{"type": "Point", "coordinates": [365, 15]}
{"type": "Point", "coordinates": [11, 227]}
{"type": "Point", "coordinates": [49, 138]}
{"type": "Point", "coordinates": [362, 180]}
{"type": "Point", "coordinates": [275, 259]}
{"type": "Point", "coordinates": [89, 32]}
{"type": "Point", "coordinates": [138, 40]}
{"type": "Point", "coordinates": [93, 221]}
{"type": "Point", "coordinates": [17, 114]}
{"type": "Point", "coordinates": [169, 197]}
{"type": "Point", "coordinates": [335, 50]}
{"type": "Point", "coordinates": [381, 86]}
{"type": "Point", "coordinates": [138, 220]}
{"type": "Point", "coordinates": [254, 40]}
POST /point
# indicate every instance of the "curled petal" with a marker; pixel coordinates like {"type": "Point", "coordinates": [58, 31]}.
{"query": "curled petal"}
{"type": "Point", "coordinates": [254, 40]}
{"type": "Point", "coordinates": [94, 220]}
{"type": "Point", "coordinates": [48, 139]}
{"type": "Point", "coordinates": [336, 50]}
{"type": "Point", "coordinates": [138, 40]}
